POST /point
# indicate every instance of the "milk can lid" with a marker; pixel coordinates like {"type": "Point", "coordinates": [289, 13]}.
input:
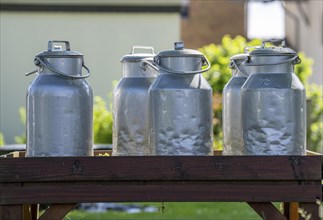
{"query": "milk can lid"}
{"type": "Point", "coordinates": [55, 50]}
{"type": "Point", "coordinates": [273, 51]}
{"type": "Point", "coordinates": [133, 56]}
{"type": "Point", "coordinates": [180, 51]}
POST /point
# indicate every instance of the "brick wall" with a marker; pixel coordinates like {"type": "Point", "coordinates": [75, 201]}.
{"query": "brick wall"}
{"type": "Point", "coordinates": [209, 20]}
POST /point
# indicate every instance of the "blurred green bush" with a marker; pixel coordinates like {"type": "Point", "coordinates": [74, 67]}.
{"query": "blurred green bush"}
{"type": "Point", "coordinates": [220, 73]}
{"type": "Point", "coordinates": [102, 122]}
{"type": "Point", "coordinates": [21, 139]}
{"type": "Point", "coordinates": [2, 142]}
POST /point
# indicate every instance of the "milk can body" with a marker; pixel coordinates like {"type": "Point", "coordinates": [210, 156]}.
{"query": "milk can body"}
{"type": "Point", "coordinates": [130, 105]}
{"type": "Point", "coordinates": [273, 104]}
{"type": "Point", "coordinates": [59, 106]}
{"type": "Point", "coordinates": [231, 108]}
{"type": "Point", "coordinates": [180, 105]}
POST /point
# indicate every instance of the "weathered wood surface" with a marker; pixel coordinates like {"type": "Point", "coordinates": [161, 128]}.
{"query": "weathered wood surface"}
{"type": "Point", "coordinates": [267, 210]}
{"type": "Point", "coordinates": [158, 192]}
{"type": "Point", "coordinates": [57, 211]}
{"type": "Point", "coordinates": [160, 168]}
{"type": "Point", "coordinates": [11, 212]}
{"type": "Point", "coordinates": [258, 180]}
{"type": "Point", "coordinates": [169, 178]}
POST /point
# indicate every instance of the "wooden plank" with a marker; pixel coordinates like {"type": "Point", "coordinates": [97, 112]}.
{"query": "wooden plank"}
{"type": "Point", "coordinates": [291, 210]}
{"type": "Point", "coordinates": [26, 212]}
{"type": "Point", "coordinates": [159, 191]}
{"type": "Point", "coordinates": [267, 211]}
{"type": "Point", "coordinates": [31, 211]}
{"type": "Point", "coordinates": [286, 209]}
{"type": "Point", "coordinates": [309, 210]}
{"type": "Point", "coordinates": [11, 212]}
{"type": "Point", "coordinates": [34, 209]}
{"type": "Point", "coordinates": [57, 211]}
{"type": "Point", "coordinates": [160, 168]}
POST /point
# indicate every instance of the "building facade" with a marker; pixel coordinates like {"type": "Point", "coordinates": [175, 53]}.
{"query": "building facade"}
{"type": "Point", "coordinates": [304, 31]}
{"type": "Point", "coordinates": [103, 30]}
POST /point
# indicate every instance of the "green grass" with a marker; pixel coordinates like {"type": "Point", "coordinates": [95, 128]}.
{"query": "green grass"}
{"type": "Point", "coordinates": [177, 211]}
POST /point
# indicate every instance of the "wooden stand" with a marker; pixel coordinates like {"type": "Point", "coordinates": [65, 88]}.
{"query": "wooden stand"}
{"type": "Point", "coordinates": [66, 181]}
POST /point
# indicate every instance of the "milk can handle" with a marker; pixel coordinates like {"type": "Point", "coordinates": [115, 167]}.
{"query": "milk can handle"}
{"type": "Point", "coordinates": [233, 63]}
{"type": "Point", "coordinates": [205, 63]}
{"type": "Point", "coordinates": [142, 47]}
{"type": "Point", "coordinates": [50, 44]}
{"type": "Point", "coordinates": [145, 62]}
{"type": "Point", "coordinates": [39, 61]}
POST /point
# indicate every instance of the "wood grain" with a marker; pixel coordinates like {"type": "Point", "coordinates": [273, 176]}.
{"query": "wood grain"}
{"type": "Point", "coordinates": [11, 212]}
{"type": "Point", "coordinates": [160, 168]}
{"type": "Point", "coordinates": [156, 192]}
{"type": "Point", "coordinates": [267, 210]}
{"type": "Point", "coordinates": [57, 211]}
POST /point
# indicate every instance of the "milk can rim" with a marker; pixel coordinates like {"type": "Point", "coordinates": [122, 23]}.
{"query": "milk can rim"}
{"type": "Point", "coordinates": [273, 51]}
{"type": "Point", "coordinates": [136, 57]}
{"type": "Point", "coordinates": [180, 53]}
{"type": "Point", "coordinates": [58, 54]}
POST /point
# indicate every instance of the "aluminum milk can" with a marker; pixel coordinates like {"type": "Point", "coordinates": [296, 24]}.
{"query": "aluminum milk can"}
{"type": "Point", "coordinates": [59, 105]}
{"type": "Point", "coordinates": [181, 104]}
{"type": "Point", "coordinates": [231, 110]}
{"type": "Point", "coordinates": [273, 103]}
{"type": "Point", "coordinates": [130, 104]}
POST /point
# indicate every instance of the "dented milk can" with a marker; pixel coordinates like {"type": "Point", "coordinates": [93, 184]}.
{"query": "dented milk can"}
{"type": "Point", "coordinates": [130, 104]}
{"type": "Point", "coordinates": [181, 104]}
{"type": "Point", "coordinates": [273, 103]}
{"type": "Point", "coordinates": [59, 105]}
{"type": "Point", "coordinates": [231, 107]}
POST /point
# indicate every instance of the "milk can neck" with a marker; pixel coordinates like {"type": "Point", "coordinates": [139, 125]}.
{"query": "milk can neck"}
{"type": "Point", "coordinates": [135, 69]}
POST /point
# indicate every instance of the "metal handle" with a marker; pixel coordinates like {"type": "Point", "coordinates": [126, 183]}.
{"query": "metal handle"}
{"type": "Point", "coordinates": [31, 72]}
{"type": "Point", "coordinates": [206, 62]}
{"type": "Point", "coordinates": [145, 62]}
{"type": "Point", "coordinates": [142, 47]}
{"type": "Point", "coordinates": [39, 62]}
{"type": "Point", "coordinates": [295, 60]}
{"type": "Point", "coordinates": [233, 63]}
{"type": "Point", "coordinates": [282, 41]}
{"type": "Point", "coordinates": [50, 44]}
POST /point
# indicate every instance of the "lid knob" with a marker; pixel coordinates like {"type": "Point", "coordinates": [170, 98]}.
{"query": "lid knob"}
{"type": "Point", "coordinates": [179, 45]}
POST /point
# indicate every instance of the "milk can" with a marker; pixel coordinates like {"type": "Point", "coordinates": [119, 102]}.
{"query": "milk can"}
{"type": "Point", "coordinates": [181, 104]}
{"type": "Point", "coordinates": [231, 107]}
{"type": "Point", "coordinates": [59, 104]}
{"type": "Point", "coordinates": [130, 104]}
{"type": "Point", "coordinates": [273, 103]}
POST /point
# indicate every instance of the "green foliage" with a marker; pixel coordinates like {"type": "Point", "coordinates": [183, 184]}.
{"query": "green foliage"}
{"type": "Point", "coordinates": [220, 73]}
{"type": "Point", "coordinates": [21, 139]}
{"type": "Point", "coordinates": [315, 129]}
{"type": "Point", "coordinates": [102, 118]}
{"type": "Point", "coordinates": [2, 142]}
{"type": "Point", "coordinates": [304, 69]}
{"type": "Point", "coordinates": [219, 57]}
